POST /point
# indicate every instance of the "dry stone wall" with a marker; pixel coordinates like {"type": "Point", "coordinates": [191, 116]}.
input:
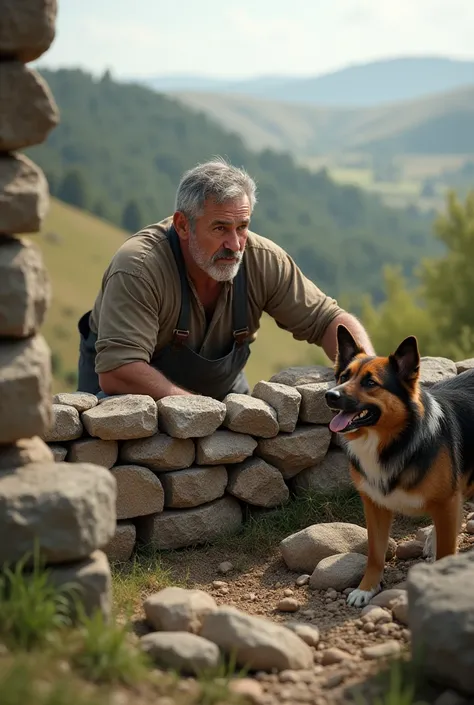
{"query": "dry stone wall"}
{"type": "Point", "coordinates": [190, 468]}
{"type": "Point", "coordinates": [68, 512]}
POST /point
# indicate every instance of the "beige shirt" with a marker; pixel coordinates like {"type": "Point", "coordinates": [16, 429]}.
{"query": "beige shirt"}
{"type": "Point", "coordinates": [138, 305]}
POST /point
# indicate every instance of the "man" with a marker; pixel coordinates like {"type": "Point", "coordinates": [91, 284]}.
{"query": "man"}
{"type": "Point", "coordinates": [181, 300]}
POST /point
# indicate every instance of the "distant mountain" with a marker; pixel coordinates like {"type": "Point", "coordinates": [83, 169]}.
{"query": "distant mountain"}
{"type": "Point", "coordinates": [368, 84]}
{"type": "Point", "coordinates": [437, 124]}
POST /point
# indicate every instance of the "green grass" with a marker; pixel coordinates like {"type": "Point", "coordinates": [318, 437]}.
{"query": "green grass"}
{"type": "Point", "coordinates": [52, 653]}
{"type": "Point", "coordinates": [77, 248]}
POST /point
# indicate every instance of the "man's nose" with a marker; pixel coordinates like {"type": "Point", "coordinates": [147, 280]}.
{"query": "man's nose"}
{"type": "Point", "coordinates": [232, 241]}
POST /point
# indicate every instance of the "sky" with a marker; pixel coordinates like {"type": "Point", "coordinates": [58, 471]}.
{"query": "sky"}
{"type": "Point", "coordinates": [239, 39]}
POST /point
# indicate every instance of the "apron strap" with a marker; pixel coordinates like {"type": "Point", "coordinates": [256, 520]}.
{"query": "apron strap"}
{"type": "Point", "coordinates": [239, 302]}
{"type": "Point", "coordinates": [181, 332]}
{"type": "Point", "coordinates": [239, 307]}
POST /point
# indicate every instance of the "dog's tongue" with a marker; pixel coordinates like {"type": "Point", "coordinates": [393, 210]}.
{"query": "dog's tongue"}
{"type": "Point", "coordinates": [341, 421]}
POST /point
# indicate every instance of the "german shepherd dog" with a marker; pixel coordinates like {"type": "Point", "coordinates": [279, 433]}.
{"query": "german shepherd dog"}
{"type": "Point", "coordinates": [410, 449]}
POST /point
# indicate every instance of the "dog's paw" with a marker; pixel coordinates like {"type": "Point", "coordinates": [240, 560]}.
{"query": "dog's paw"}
{"type": "Point", "coordinates": [429, 549]}
{"type": "Point", "coordinates": [361, 598]}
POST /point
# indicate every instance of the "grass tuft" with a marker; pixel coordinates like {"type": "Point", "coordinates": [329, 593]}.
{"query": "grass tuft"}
{"type": "Point", "coordinates": [31, 608]}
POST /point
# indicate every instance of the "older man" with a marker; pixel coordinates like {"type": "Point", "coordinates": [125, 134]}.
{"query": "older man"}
{"type": "Point", "coordinates": [181, 300]}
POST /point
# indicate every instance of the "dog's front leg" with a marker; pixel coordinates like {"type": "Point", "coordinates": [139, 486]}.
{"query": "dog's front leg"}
{"type": "Point", "coordinates": [378, 521]}
{"type": "Point", "coordinates": [447, 519]}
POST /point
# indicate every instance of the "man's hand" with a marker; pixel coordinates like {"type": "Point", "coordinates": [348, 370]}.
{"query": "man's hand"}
{"type": "Point", "coordinates": [139, 378]}
{"type": "Point", "coordinates": [329, 341]}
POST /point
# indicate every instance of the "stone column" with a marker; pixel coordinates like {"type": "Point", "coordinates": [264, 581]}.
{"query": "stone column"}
{"type": "Point", "coordinates": [70, 516]}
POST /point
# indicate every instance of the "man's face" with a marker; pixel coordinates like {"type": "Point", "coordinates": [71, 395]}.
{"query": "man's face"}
{"type": "Point", "coordinates": [217, 240]}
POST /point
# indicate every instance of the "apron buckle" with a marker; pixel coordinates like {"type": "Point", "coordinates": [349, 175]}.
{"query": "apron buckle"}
{"type": "Point", "coordinates": [240, 335]}
{"type": "Point", "coordinates": [180, 335]}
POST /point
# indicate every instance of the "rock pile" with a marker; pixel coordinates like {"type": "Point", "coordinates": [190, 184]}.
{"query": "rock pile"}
{"type": "Point", "coordinates": [188, 468]}
{"type": "Point", "coordinates": [68, 511]}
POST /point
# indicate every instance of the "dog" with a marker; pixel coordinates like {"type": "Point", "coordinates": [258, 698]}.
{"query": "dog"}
{"type": "Point", "coordinates": [410, 449]}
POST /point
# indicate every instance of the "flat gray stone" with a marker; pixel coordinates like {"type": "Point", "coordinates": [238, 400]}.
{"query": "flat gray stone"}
{"type": "Point", "coordinates": [178, 528]}
{"type": "Point", "coordinates": [28, 28]}
{"type": "Point", "coordinates": [441, 619]}
{"type": "Point", "coordinates": [256, 482]}
{"type": "Point", "coordinates": [25, 384]}
{"type": "Point", "coordinates": [190, 416]}
{"type": "Point", "coordinates": [193, 486]}
{"type": "Point", "coordinates": [24, 195]}
{"type": "Point", "coordinates": [284, 399]}
{"type": "Point", "coordinates": [139, 491]}
{"type": "Point", "coordinates": [223, 447]}
{"type": "Point", "coordinates": [20, 86]}
{"type": "Point", "coordinates": [69, 508]}
{"type": "Point", "coordinates": [25, 287]}
{"type": "Point", "coordinates": [122, 418]}
{"type": "Point", "coordinates": [293, 452]}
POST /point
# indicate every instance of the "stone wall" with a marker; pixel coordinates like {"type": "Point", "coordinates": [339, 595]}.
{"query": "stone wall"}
{"type": "Point", "coordinates": [189, 468]}
{"type": "Point", "coordinates": [69, 514]}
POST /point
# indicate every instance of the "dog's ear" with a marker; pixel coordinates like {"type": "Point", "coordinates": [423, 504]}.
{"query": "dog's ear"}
{"type": "Point", "coordinates": [406, 360]}
{"type": "Point", "coordinates": [347, 349]}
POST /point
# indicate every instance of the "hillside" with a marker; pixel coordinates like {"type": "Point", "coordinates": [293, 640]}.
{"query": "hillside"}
{"type": "Point", "coordinates": [368, 84]}
{"type": "Point", "coordinates": [119, 151]}
{"type": "Point", "coordinates": [76, 248]}
{"type": "Point", "coordinates": [438, 124]}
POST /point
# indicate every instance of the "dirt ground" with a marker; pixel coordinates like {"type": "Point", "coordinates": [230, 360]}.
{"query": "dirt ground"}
{"type": "Point", "coordinates": [257, 583]}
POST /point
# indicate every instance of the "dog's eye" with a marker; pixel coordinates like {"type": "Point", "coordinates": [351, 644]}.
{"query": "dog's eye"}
{"type": "Point", "coordinates": [369, 382]}
{"type": "Point", "coordinates": [344, 377]}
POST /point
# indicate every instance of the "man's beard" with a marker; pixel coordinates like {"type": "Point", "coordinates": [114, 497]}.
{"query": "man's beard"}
{"type": "Point", "coordinates": [220, 271]}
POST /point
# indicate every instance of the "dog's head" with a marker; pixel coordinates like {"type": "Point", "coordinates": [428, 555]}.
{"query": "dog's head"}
{"type": "Point", "coordinates": [372, 390]}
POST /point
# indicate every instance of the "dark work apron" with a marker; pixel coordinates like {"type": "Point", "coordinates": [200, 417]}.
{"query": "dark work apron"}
{"type": "Point", "coordinates": [176, 361]}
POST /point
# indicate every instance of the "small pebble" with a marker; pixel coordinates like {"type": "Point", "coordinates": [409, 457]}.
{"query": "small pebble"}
{"type": "Point", "coordinates": [224, 590]}
{"type": "Point", "coordinates": [369, 627]}
{"type": "Point", "coordinates": [219, 583]}
{"type": "Point", "coordinates": [409, 550]}
{"type": "Point", "coordinates": [248, 687]}
{"type": "Point", "coordinates": [288, 604]}
{"type": "Point", "coordinates": [375, 614]}
{"type": "Point", "coordinates": [288, 592]}
{"type": "Point", "coordinates": [252, 597]}
{"type": "Point", "coordinates": [307, 632]}
{"type": "Point", "coordinates": [388, 648]}
{"type": "Point", "coordinates": [278, 585]}
{"type": "Point", "coordinates": [470, 526]}
{"type": "Point", "coordinates": [334, 680]}
{"type": "Point", "coordinates": [224, 567]}
{"type": "Point", "coordinates": [302, 580]}
{"type": "Point", "coordinates": [309, 614]}
{"type": "Point", "coordinates": [334, 655]}
{"type": "Point", "coordinates": [331, 593]}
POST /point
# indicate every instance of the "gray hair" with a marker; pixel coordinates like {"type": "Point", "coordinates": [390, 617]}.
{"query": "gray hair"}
{"type": "Point", "coordinates": [215, 179]}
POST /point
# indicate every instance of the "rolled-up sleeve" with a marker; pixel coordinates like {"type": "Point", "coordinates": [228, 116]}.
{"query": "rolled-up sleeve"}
{"type": "Point", "coordinates": [128, 323]}
{"type": "Point", "coordinates": [296, 303]}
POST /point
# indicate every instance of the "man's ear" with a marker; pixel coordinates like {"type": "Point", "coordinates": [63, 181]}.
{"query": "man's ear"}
{"type": "Point", "coordinates": [181, 225]}
{"type": "Point", "coordinates": [406, 360]}
{"type": "Point", "coordinates": [347, 348]}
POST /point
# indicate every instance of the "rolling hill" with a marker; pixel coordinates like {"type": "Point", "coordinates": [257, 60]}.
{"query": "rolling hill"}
{"type": "Point", "coordinates": [76, 248]}
{"type": "Point", "coordinates": [368, 84]}
{"type": "Point", "coordinates": [120, 150]}
{"type": "Point", "coordinates": [437, 124]}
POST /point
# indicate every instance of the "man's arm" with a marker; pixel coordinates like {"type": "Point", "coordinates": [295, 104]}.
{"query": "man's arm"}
{"type": "Point", "coordinates": [128, 326]}
{"type": "Point", "coordinates": [329, 340]}
{"type": "Point", "coordinates": [139, 378]}
{"type": "Point", "coordinates": [299, 306]}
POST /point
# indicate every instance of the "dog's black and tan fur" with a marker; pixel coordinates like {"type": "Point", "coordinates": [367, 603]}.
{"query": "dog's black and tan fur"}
{"type": "Point", "coordinates": [411, 449]}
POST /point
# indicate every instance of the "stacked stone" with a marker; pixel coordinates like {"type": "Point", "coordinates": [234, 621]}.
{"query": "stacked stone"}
{"type": "Point", "coordinates": [69, 512]}
{"type": "Point", "coordinates": [190, 468]}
